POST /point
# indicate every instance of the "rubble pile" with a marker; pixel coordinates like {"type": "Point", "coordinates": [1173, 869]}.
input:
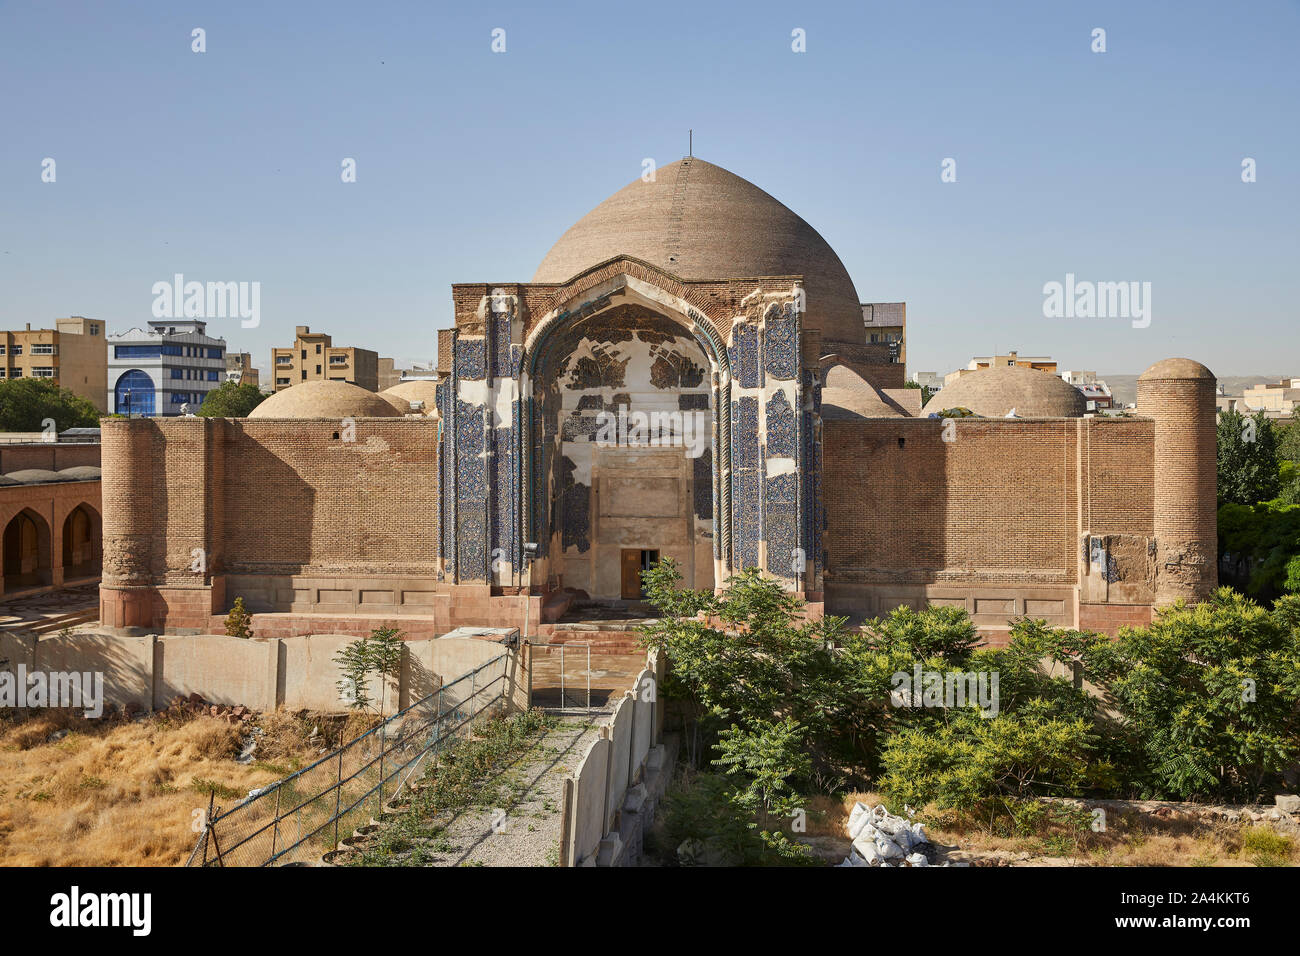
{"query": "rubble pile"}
{"type": "Point", "coordinates": [882, 839]}
{"type": "Point", "coordinates": [197, 706]}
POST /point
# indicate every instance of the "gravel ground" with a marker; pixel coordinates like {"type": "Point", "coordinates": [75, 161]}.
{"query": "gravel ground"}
{"type": "Point", "coordinates": [522, 828]}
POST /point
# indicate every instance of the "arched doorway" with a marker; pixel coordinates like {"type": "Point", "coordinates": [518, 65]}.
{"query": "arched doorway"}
{"type": "Point", "coordinates": [26, 552]}
{"type": "Point", "coordinates": [621, 470]}
{"type": "Point", "coordinates": [81, 544]}
{"type": "Point", "coordinates": [134, 393]}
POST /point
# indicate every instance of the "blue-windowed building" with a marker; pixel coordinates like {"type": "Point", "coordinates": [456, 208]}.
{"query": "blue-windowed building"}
{"type": "Point", "coordinates": [156, 371]}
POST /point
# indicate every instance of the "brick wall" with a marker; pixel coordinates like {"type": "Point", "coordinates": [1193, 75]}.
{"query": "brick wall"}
{"type": "Point", "coordinates": [992, 520]}
{"type": "Point", "coordinates": [49, 456]}
{"type": "Point", "coordinates": [264, 500]}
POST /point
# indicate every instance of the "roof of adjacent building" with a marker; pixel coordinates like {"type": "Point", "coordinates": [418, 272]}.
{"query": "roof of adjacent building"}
{"type": "Point", "coordinates": [324, 399]}
{"type": "Point", "coordinates": [995, 392]}
{"type": "Point", "coordinates": [699, 221]}
{"type": "Point", "coordinates": [41, 476]}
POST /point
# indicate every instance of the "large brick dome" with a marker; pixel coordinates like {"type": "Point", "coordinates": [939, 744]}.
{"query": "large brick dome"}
{"type": "Point", "coordinates": [324, 400]}
{"type": "Point", "coordinates": [994, 392]}
{"type": "Point", "coordinates": [699, 221]}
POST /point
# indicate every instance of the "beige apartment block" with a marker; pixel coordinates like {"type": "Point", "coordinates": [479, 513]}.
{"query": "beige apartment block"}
{"type": "Point", "coordinates": [1010, 360]}
{"type": "Point", "coordinates": [73, 355]}
{"type": "Point", "coordinates": [1280, 398]}
{"type": "Point", "coordinates": [315, 358]}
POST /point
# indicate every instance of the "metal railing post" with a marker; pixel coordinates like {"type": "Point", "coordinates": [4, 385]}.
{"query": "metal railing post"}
{"type": "Point", "coordinates": [379, 807]}
{"type": "Point", "coordinates": [275, 827]}
{"type": "Point", "coordinates": [338, 797]}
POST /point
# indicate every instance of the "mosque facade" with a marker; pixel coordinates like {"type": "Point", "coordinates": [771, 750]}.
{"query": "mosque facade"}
{"type": "Point", "coordinates": [686, 375]}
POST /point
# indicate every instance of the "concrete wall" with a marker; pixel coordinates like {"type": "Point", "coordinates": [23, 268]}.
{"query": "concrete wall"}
{"type": "Point", "coordinates": [610, 795]}
{"type": "Point", "coordinates": [295, 673]}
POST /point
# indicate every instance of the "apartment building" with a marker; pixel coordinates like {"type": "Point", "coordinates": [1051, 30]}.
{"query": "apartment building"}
{"type": "Point", "coordinates": [1011, 359]}
{"type": "Point", "coordinates": [71, 355]}
{"type": "Point", "coordinates": [1275, 399]}
{"type": "Point", "coordinates": [160, 370]}
{"type": "Point", "coordinates": [886, 324]}
{"type": "Point", "coordinates": [315, 358]}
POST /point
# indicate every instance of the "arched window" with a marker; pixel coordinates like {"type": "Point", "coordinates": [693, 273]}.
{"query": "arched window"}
{"type": "Point", "coordinates": [134, 393]}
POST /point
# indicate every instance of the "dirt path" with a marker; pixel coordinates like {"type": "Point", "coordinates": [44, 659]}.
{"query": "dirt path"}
{"type": "Point", "coordinates": [515, 817]}
{"type": "Point", "coordinates": [523, 829]}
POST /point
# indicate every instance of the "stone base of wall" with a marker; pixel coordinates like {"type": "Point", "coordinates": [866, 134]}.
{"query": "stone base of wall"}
{"type": "Point", "coordinates": [1109, 618]}
{"type": "Point", "coordinates": [202, 610]}
{"type": "Point", "coordinates": [990, 607]}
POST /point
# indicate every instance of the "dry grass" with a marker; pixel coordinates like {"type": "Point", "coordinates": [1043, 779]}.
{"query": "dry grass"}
{"type": "Point", "coordinates": [126, 792]}
{"type": "Point", "coordinates": [1130, 838]}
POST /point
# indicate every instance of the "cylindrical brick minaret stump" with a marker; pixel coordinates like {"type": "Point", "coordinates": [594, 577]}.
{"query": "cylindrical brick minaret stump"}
{"type": "Point", "coordinates": [1179, 395]}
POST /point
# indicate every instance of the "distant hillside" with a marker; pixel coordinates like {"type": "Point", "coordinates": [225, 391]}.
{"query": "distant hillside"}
{"type": "Point", "coordinates": [1124, 387]}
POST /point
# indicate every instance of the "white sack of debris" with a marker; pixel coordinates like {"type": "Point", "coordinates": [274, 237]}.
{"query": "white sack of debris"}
{"type": "Point", "coordinates": [882, 839]}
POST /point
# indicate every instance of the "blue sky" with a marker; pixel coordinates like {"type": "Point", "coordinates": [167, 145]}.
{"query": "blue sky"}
{"type": "Point", "coordinates": [225, 165]}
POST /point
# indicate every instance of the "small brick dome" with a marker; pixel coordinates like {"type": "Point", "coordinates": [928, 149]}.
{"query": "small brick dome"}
{"type": "Point", "coordinates": [402, 394]}
{"type": "Point", "coordinates": [993, 392]}
{"type": "Point", "coordinates": [1176, 368]}
{"type": "Point", "coordinates": [35, 476]}
{"type": "Point", "coordinates": [324, 400]}
{"type": "Point", "coordinates": [699, 221]}
{"type": "Point", "coordinates": [847, 396]}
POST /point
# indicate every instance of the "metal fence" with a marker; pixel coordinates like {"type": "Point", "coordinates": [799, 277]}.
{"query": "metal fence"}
{"type": "Point", "coordinates": [561, 675]}
{"type": "Point", "coordinates": [305, 815]}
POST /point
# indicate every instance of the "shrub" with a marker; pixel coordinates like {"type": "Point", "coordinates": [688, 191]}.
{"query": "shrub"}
{"type": "Point", "coordinates": [239, 623]}
{"type": "Point", "coordinates": [1209, 696]}
{"type": "Point", "coordinates": [972, 763]}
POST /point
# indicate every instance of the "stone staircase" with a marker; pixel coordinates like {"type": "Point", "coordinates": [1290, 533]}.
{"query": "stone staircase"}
{"type": "Point", "coordinates": [610, 628]}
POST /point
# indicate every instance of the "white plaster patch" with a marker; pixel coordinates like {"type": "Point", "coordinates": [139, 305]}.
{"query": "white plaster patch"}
{"type": "Point", "coordinates": [580, 453]}
{"type": "Point", "coordinates": [472, 391]}
{"type": "Point", "coordinates": [506, 393]}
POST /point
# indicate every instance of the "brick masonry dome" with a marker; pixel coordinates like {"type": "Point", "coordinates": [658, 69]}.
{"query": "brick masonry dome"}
{"type": "Point", "coordinates": [1176, 368]}
{"type": "Point", "coordinates": [402, 394]}
{"type": "Point", "coordinates": [699, 221]}
{"type": "Point", "coordinates": [993, 392]}
{"type": "Point", "coordinates": [848, 396]}
{"type": "Point", "coordinates": [324, 400]}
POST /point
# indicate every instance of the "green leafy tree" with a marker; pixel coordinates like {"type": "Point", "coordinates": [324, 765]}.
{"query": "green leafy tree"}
{"type": "Point", "coordinates": [239, 623]}
{"type": "Point", "coordinates": [231, 400]}
{"type": "Point", "coordinates": [945, 632]}
{"type": "Point", "coordinates": [1209, 696]}
{"type": "Point", "coordinates": [1264, 539]}
{"type": "Point", "coordinates": [26, 403]}
{"type": "Point", "coordinates": [765, 755]}
{"type": "Point", "coordinates": [1288, 441]}
{"type": "Point", "coordinates": [1247, 459]}
{"type": "Point", "coordinates": [380, 654]}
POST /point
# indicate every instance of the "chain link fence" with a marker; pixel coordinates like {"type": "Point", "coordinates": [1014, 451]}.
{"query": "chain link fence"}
{"type": "Point", "coordinates": [304, 816]}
